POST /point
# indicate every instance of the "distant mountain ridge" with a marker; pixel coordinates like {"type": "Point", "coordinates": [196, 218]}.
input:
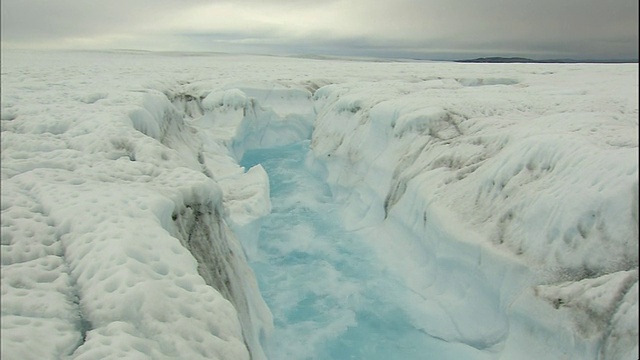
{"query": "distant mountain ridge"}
{"type": "Point", "coordinates": [498, 59]}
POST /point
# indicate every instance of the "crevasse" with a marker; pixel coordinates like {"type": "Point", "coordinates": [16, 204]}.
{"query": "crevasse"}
{"type": "Point", "coordinates": [495, 287]}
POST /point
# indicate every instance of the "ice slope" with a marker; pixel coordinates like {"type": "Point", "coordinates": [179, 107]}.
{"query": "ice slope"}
{"type": "Point", "coordinates": [114, 242]}
{"type": "Point", "coordinates": [485, 174]}
{"type": "Point", "coordinates": [504, 196]}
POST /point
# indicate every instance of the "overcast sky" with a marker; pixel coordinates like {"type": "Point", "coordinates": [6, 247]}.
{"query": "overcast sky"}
{"type": "Point", "coordinates": [427, 29]}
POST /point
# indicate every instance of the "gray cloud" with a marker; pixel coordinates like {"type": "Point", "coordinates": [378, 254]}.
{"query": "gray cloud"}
{"type": "Point", "coordinates": [35, 20]}
{"type": "Point", "coordinates": [401, 28]}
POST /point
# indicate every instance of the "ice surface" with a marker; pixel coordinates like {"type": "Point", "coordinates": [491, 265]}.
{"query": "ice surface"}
{"type": "Point", "coordinates": [471, 210]}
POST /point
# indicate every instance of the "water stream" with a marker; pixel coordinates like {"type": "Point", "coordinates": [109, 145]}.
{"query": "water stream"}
{"type": "Point", "coordinates": [330, 296]}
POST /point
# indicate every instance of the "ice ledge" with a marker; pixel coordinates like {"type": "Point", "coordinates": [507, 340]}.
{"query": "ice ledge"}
{"type": "Point", "coordinates": [588, 319]}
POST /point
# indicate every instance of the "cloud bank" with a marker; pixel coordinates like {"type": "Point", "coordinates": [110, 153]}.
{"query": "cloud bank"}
{"type": "Point", "coordinates": [435, 29]}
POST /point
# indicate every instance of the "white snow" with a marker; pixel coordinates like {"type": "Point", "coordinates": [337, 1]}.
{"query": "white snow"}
{"type": "Point", "coordinates": [504, 198]}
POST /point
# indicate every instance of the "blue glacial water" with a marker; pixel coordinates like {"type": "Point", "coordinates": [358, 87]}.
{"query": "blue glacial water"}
{"type": "Point", "coordinates": [329, 295]}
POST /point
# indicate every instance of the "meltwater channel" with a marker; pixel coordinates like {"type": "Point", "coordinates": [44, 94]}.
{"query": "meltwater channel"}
{"type": "Point", "coordinates": [329, 295]}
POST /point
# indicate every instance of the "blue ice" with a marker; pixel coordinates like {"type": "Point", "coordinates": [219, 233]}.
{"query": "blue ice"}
{"type": "Point", "coordinates": [329, 296]}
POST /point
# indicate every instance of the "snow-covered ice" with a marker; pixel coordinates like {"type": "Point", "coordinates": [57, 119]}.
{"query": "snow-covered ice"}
{"type": "Point", "coordinates": [403, 210]}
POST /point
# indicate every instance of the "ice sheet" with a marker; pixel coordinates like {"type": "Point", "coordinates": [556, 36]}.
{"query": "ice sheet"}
{"type": "Point", "coordinates": [504, 197]}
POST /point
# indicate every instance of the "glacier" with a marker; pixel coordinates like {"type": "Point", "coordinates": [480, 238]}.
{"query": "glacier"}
{"type": "Point", "coordinates": [251, 207]}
